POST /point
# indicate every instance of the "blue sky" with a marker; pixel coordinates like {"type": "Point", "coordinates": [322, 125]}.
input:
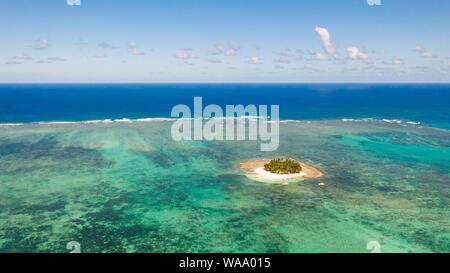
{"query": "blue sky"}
{"type": "Point", "coordinates": [225, 41]}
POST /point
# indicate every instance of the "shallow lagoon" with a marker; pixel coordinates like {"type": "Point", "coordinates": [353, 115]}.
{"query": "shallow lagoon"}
{"type": "Point", "coordinates": [127, 187]}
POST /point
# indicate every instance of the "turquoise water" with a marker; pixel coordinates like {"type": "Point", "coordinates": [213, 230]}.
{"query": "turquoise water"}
{"type": "Point", "coordinates": [128, 187]}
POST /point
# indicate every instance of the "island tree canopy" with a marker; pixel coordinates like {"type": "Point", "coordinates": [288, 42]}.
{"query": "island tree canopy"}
{"type": "Point", "coordinates": [283, 166]}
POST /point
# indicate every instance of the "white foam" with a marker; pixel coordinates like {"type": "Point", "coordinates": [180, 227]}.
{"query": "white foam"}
{"type": "Point", "coordinates": [413, 123]}
{"type": "Point", "coordinates": [153, 119]}
{"type": "Point", "coordinates": [10, 124]}
{"type": "Point", "coordinates": [391, 121]}
{"type": "Point", "coordinates": [97, 121]}
{"type": "Point", "coordinates": [57, 123]}
{"type": "Point", "coordinates": [123, 120]}
{"type": "Point", "coordinates": [241, 119]}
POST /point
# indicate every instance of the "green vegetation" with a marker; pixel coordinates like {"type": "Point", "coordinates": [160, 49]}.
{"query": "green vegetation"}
{"type": "Point", "coordinates": [283, 166]}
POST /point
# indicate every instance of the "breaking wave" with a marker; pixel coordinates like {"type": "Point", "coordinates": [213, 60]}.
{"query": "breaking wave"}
{"type": "Point", "coordinates": [243, 118]}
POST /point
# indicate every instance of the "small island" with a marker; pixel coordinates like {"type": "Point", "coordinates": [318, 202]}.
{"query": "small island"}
{"type": "Point", "coordinates": [283, 166]}
{"type": "Point", "coordinates": [279, 170]}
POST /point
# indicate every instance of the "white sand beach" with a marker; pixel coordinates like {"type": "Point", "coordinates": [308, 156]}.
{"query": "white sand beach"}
{"type": "Point", "coordinates": [254, 169]}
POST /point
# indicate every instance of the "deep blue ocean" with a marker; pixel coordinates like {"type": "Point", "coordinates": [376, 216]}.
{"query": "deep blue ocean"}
{"type": "Point", "coordinates": [426, 103]}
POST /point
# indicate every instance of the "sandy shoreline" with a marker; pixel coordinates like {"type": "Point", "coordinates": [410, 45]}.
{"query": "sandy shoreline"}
{"type": "Point", "coordinates": [255, 170]}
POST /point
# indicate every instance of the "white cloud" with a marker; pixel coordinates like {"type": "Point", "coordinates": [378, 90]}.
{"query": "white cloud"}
{"type": "Point", "coordinates": [185, 56]}
{"type": "Point", "coordinates": [100, 56]}
{"type": "Point", "coordinates": [231, 52]}
{"type": "Point", "coordinates": [25, 56]}
{"type": "Point", "coordinates": [13, 61]}
{"type": "Point", "coordinates": [74, 2]}
{"type": "Point", "coordinates": [326, 42]}
{"type": "Point", "coordinates": [418, 48]}
{"type": "Point", "coordinates": [234, 46]}
{"type": "Point", "coordinates": [217, 49]}
{"type": "Point", "coordinates": [426, 54]}
{"type": "Point", "coordinates": [56, 59]}
{"type": "Point", "coordinates": [42, 44]}
{"type": "Point", "coordinates": [373, 2]}
{"type": "Point", "coordinates": [423, 53]}
{"type": "Point", "coordinates": [43, 61]}
{"type": "Point", "coordinates": [320, 56]}
{"type": "Point", "coordinates": [134, 50]}
{"type": "Point", "coordinates": [283, 60]}
{"type": "Point", "coordinates": [354, 53]}
{"type": "Point", "coordinates": [254, 60]}
{"type": "Point", "coordinates": [397, 61]}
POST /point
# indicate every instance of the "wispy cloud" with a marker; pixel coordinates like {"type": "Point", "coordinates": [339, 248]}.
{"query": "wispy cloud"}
{"type": "Point", "coordinates": [234, 48]}
{"type": "Point", "coordinates": [326, 42]}
{"type": "Point", "coordinates": [99, 56]}
{"type": "Point", "coordinates": [216, 50]}
{"type": "Point", "coordinates": [319, 56]}
{"type": "Point", "coordinates": [25, 56]}
{"type": "Point", "coordinates": [185, 56]}
{"type": "Point", "coordinates": [220, 49]}
{"type": "Point", "coordinates": [397, 61]}
{"type": "Point", "coordinates": [355, 53]}
{"type": "Point", "coordinates": [418, 48]}
{"type": "Point", "coordinates": [13, 61]}
{"type": "Point", "coordinates": [374, 2]}
{"type": "Point", "coordinates": [56, 59]}
{"type": "Point", "coordinates": [103, 45]}
{"type": "Point", "coordinates": [426, 54]}
{"type": "Point", "coordinates": [283, 60]}
{"type": "Point", "coordinates": [44, 61]}
{"type": "Point", "coordinates": [73, 2]}
{"type": "Point", "coordinates": [309, 68]}
{"type": "Point", "coordinates": [423, 52]}
{"type": "Point", "coordinates": [42, 44]}
{"type": "Point", "coordinates": [254, 60]}
{"type": "Point", "coordinates": [231, 52]}
{"type": "Point", "coordinates": [134, 50]}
